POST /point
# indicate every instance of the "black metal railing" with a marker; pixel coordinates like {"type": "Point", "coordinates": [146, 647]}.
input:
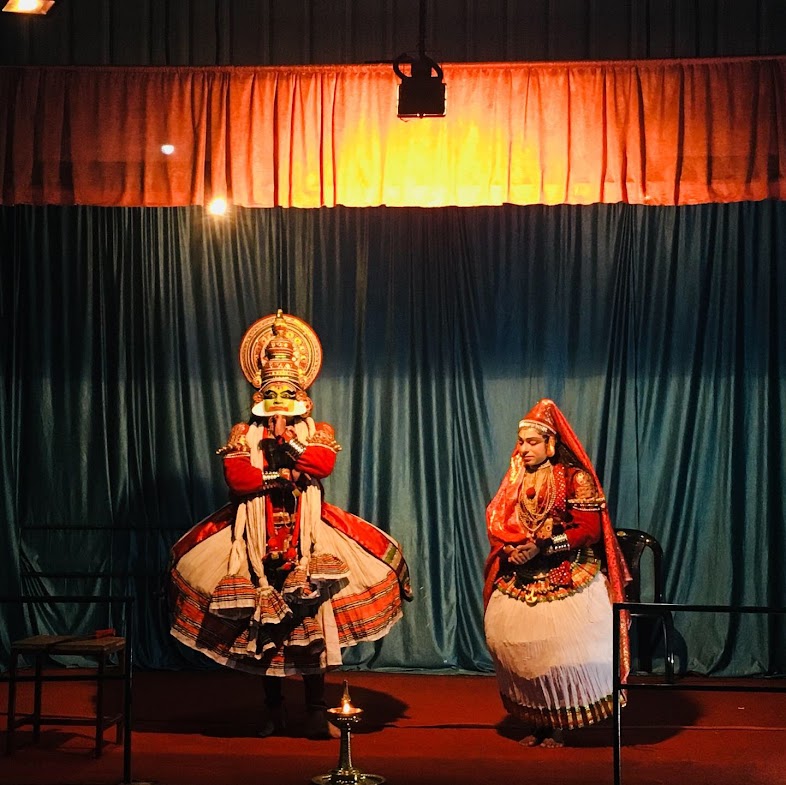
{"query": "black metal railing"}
{"type": "Point", "coordinates": [655, 608]}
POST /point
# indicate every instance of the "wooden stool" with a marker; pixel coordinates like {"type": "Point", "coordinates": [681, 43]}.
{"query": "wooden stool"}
{"type": "Point", "coordinates": [42, 646]}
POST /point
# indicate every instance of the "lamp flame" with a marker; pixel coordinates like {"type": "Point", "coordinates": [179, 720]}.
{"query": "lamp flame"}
{"type": "Point", "coordinates": [346, 701]}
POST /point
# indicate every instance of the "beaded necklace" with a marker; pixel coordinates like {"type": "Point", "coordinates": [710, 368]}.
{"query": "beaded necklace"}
{"type": "Point", "coordinates": [533, 510]}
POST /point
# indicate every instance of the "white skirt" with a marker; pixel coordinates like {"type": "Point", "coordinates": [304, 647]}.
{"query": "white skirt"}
{"type": "Point", "coordinates": [553, 660]}
{"type": "Point", "coordinates": [366, 606]}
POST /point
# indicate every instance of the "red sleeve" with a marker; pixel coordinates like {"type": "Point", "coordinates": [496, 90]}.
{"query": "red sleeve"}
{"type": "Point", "coordinates": [316, 461]}
{"type": "Point", "coordinates": [584, 529]}
{"type": "Point", "coordinates": [585, 526]}
{"type": "Point", "coordinates": [242, 477]}
{"type": "Point", "coordinates": [319, 457]}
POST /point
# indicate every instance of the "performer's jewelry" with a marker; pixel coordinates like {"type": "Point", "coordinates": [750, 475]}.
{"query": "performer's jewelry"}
{"type": "Point", "coordinates": [559, 543]}
{"type": "Point", "coordinates": [294, 447]}
{"type": "Point", "coordinates": [271, 480]}
{"type": "Point", "coordinates": [541, 427]}
{"type": "Point", "coordinates": [533, 512]}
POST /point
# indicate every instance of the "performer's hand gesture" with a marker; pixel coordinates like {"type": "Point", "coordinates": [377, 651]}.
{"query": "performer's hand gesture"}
{"type": "Point", "coordinates": [277, 425]}
{"type": "Point", "coordinates": [521, 554]}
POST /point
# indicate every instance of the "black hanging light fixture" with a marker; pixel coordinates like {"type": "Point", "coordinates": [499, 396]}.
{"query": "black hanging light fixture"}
{"type": "Point", "coordinates": [422, 91]}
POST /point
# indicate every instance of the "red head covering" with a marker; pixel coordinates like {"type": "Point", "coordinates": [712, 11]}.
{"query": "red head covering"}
{"type": "Point", "coordinates": [501, 518]}
{"type": "Point", "coordinates": [543, 415]}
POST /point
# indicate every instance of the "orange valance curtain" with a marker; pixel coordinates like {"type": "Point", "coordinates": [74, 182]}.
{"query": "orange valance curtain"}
{"type": "Point", "coordinates": [642, 132]}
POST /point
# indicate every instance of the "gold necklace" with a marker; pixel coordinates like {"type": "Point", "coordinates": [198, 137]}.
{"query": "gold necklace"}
{"type": "Point", "coordinates": [532, 512]}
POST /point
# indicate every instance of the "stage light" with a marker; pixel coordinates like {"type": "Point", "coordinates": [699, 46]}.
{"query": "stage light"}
{"type": "Point", "coordinates": [28, 6]}
{"type": "Point", "coordinates": [420, 94]}
{"type": "Point", "coordinates": [218, 206]}
{"type": "Point", "coordinates": [167, 149]}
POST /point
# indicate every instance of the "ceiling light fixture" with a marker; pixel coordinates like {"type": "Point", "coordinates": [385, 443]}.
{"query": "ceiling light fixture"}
{"type": "Point", "coordinates": [420, 94]}
{"type": "Point", "coordinates": [28, 6]}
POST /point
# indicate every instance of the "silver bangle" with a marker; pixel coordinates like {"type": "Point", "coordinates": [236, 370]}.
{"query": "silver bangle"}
{"type": "Point", "coordinates": [559, 543]}
{"type": "Point", "coordinates": [295, 448]}
{"type": "Point", "coordinates": [270, 480]}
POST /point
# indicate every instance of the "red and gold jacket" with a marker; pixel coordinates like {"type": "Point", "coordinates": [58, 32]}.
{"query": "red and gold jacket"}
{"type": "Point", "coordinates": [571, 526]}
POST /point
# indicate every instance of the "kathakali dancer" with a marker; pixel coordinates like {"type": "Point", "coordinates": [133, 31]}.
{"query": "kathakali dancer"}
{"type": "Point", "coordinates": [548, 618]}
{"type": "Point", "coordinates": [278, 581]}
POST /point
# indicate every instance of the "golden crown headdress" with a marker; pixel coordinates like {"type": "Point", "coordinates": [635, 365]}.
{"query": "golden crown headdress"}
{"type": "Point", "coordinates": [280, 347]}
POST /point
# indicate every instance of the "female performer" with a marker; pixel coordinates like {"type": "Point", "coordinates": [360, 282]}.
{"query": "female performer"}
{"type": "Point", "coordinates": [548, 619]}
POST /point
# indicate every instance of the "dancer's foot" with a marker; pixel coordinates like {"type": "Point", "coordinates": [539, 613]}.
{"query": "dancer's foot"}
{"type": "Point", "coordinates": [274, 722]}
{"type": "Point", "coordinates": [318, 727]}
{"type": "Point", "coordinates": [556, 739]}
{"type": "Point", "coordinates": [544, 737]}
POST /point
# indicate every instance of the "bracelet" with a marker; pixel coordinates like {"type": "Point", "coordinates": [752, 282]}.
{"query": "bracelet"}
{"type": "Point", "coordinates": [294, 448]}
{"type": "Point", "coordinates": [271, 480]}
{"type": "Point", "coordinates": [559, 543]}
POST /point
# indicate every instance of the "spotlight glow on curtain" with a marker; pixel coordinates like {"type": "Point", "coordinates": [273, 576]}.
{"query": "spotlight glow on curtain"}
{"type": "Point", "coordinates": [648, 132]}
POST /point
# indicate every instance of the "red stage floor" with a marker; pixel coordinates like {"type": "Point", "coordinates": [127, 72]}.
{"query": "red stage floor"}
{"type": "Point", "coordinates": [198, 729]}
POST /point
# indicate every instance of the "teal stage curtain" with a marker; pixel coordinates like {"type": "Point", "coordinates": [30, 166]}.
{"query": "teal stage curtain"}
{"type": "Point", "coordinates": [660, 332]}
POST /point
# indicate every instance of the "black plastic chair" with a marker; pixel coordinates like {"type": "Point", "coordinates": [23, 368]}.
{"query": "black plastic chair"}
{"type": "Point", "coordinates": [633, 544]}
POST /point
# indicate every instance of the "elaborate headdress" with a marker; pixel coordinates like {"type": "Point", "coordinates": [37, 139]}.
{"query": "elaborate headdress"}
{"type": "Point", "coordinates": [280, 348]}
{"type": "Point", "coordinates": [541, 416]}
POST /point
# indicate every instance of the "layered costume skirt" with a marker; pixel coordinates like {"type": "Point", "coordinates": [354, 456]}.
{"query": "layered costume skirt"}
{"type": "Point", "coordinates": [553, 659]}
{"type": "Point", "coordinates": [280, 633]}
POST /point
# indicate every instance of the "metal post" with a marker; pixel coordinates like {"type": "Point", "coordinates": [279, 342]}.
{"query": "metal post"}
{"type": "Point", "coordinates": [615, 670]}
{"type": "Point", "coordinates": [128, 670]}
{"type": "Point", "coordinates": [37, 697]}
{"type": "Point", "coordinates": [9, 744]}
{"type": "Point", "coordinates": [100, 705]}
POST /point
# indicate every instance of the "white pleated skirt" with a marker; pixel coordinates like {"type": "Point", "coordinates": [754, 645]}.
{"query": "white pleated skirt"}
{"type": "Point", "coordinates": [553, 660]}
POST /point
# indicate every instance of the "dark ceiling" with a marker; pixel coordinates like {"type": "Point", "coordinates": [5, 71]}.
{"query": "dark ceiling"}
{"type": "Point", "coordinates": [287, 32]}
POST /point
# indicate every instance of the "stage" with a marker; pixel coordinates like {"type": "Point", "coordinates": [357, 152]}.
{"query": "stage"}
{"type": "Point", "coordinates": [198, 728]}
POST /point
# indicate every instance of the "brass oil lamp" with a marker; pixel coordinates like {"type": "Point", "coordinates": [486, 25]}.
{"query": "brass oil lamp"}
{"type": "Point", "coordinates": [344, 717]}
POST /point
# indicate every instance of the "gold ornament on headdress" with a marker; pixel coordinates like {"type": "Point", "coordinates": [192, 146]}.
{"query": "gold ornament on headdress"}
{"type": "Point", "coordinates": [280, 347]}
{"type": "Point", "coordinates": [541, 417]}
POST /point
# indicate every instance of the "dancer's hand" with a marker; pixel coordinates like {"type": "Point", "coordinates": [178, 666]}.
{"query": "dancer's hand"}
{"type": "Point", "coordinates": [521, 554]}
{"type": "Point", "coordinates": [277, 424]}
